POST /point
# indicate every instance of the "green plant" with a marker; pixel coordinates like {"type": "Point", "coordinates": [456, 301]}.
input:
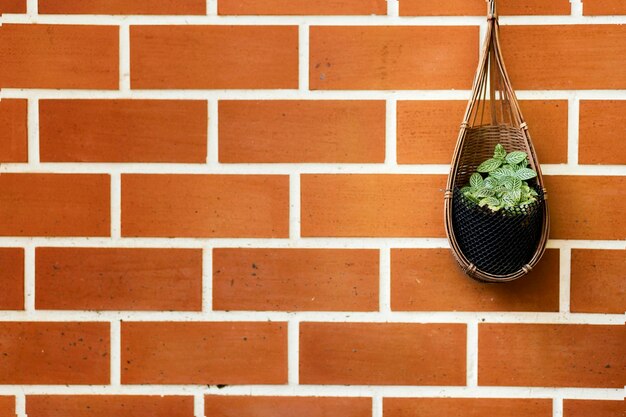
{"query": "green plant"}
{"type": "Point", "coordinates": [505, 186]}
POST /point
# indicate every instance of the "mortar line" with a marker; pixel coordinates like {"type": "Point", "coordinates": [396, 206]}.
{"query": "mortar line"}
{"type": "Point", "coordinates": [384, 255]}
{"type": "Point", "coordinates": [482, 32]}
{"type": "Point", "coordinates": [213, 132]}
{"type": "Point", "coordinates": [124, 56]}
{"type": "Point", "coordinates": [294, 206]}
{"type": "Point", "coordinates": [576, 8]}
{"type": "Point", "coordinates": [32, 8]}
{"type": "Point", "coordinates": [198, 405]}
{"type": "Point", "coordinates": [323, 390]}
{"type": "Point", "coordinates": [33, 132]}
{"type": "Point", "coordinates": [391, 134]}
{"type": "Point", "coordinates": [116, 352]}
{"type": "Point", "coordinates": [20, 405]}
{"type": "Point", "coordinates": [565, 262]}
{"type": "Point", "coordinates": [29, 278]}
{"type": "Point", "coordinates": [207, 280]}
{"type": "Point", "coordinates": [303, 57]}
{"type": "Point", "coordinates": [557, 407]}
{"type": "Point", "coordinates": [377, 406]}
{"type": "Point", "coordinates": [312, 242]}
{"type": "Point", "coordinates": [286, 94]}
{"type": "Point", "coordinates": [472, 354]}
{"type": "Point", "coordinates": [293, 352]}
{"type": "Point", "coordinates": [332, 317]}
{"type": "Point", "coordinates": [211, 8]}
{"type": "Point", "coordinates": [282, 168]}
{"type": "Point", "coordinates": [116, 205]}
{"type": "Point", "coordinates": [212, 18]}
{"type": "Point", "coordinates": [573, 124]}
{"type": "Point", "coordinates": [393, 8]}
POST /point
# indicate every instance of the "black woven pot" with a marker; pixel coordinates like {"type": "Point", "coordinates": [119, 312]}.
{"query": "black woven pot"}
{"type": "Point", "coordinates": [501, 242]}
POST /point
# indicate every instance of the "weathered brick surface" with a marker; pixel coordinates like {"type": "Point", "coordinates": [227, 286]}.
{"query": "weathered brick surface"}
{"type": "Point", "coordinates": [59, 56]}
{"type": "Point", "coordinates": [382, 354]}
{"type": "Point", "coordinates": [326, 279]}
{"type": "Point", "coordinates": [551, 355]}
{"type": "Point", "coordinates": [392, 57]}
{"type": "Point", "coordinates": [204, 353]}
{"type": "Point", "coordinates": [109, 405]}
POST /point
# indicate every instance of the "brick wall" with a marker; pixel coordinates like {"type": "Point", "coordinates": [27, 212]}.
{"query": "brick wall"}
{"type": "Point", "coordinates": [234, 208]}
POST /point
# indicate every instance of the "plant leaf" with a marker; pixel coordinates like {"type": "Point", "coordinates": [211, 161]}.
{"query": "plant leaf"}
{"type": "Point", "coordinates": [511, 198]}
{"type": "Point", "coordinates": [491, 182]}
{"type": "Point", "coordinates": [476, 180]}
{"type": "Point", "coordinates": [484, 192]}
{"type": "Point", "coordinates": [489, 165]}
{"type": "Point", "coordinates": [501, 172]}
{"type": "Point", "coordinates": [525, 174]}
{"type": "Point", "coordinates": [517, 183]}
{"type": "Point", "coordinates": [490, 201]}
{"type": "Point", "coordinates": [499, 152]}
{"type": "Point", "coordinates": [515, 157]}
{"type": "Point", "coordinates": [507, 182]}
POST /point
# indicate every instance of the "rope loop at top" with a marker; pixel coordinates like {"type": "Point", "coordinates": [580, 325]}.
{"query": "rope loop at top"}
{"type": "Point", "coordinates": [491, 9]}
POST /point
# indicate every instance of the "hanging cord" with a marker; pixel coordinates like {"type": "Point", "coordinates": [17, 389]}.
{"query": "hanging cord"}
{"type": "Point", "coordinates": [491, 9]}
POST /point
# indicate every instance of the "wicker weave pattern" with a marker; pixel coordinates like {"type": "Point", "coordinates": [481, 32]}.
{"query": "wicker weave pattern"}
{"type": "Point", "coordinates": [493, 116]}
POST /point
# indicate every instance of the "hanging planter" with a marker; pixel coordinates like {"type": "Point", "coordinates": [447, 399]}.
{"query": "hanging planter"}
{"type": "Point", "coordinates": [496, 211]}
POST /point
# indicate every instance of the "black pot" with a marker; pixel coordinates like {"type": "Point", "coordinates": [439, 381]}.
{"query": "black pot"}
{"type": "Point", "coordinates": [500, 242]}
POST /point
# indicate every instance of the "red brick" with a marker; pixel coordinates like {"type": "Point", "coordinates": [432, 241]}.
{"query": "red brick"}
{"type": "Point", "coordinates": [118, 279]}
{"type": "Point", "coordinates": [12, 279]}
{"type": "Point", "coordinates": [7, 406]}
{"type": "Point", "coordinates": [602, 132]}
{"type": "Point", "coordinates": [430, 280]}
{"type": "Point", "coordinates": [249, 406]}
{"type": "Point", "coordinates": [392, 57]}
{"type": "Point", "coordinates": [382, 354]}
{"type": "Point", "coordinates": [46, 353]}
{"type": "Point", "coordinates": [302, 7]}
{"type": "Point", "coordinates": [13, 131]}
{"type": "Point", "coordinates": [12, 6]}
{"type": "Point", "coordinates": [595, 408]}
{"type": "Point", "coordinates": [597, 281]}
{"type": "Point", "coordinates": [372, 205]}
{"type": "Point", "coordinates": [109, 405]}
{"type": "Point", "coordinates": [204, 353]}
{"type": "Point", "coordinates": [205, 205]}
{"type": "Point", "coordinates": [479, 7]}
{"type": "Point", "coordinates": [467, 407]}
{"type": "Point", "coordinates": [149, 7]}
{"type": "Point", "coordinates": [603, 7]}
{"type": "Point", "coordinates": [546, 355]}
{"type": "Point", "coordinates": [213, 57]}
{"type": "Point", "coordinates": [587, 207]}
{"type": "Point", "coordinates": [123, 131]}
{"type": "Point", "coordinates": [566, 57]}
{"type": "Point", "coordinates": [427, 130]}
{"type": "Point", "coordinates": [54, 205]}
{"type": "Point", "coordinates": [302, 131]}
{"type": "Point", "coordinates": [59, 56]}
{"type": "Point", "coordinates": [295, 279]}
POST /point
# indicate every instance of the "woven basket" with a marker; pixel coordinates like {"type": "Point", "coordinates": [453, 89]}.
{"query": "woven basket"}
{"type": "Point", "coordinates": [493, 246]}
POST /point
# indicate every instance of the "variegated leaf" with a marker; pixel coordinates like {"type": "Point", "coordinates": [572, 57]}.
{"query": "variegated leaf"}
{"type": "Point", "coordinates": [489, 165]}
{"type": "Point", "coordinates": [515, 157]}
